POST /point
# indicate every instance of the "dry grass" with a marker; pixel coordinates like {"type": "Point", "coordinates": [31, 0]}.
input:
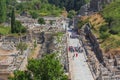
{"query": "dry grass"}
{"type": "Point", "coordinates": [64, 13]}
{"type": "Point", "coordinates": [96, 20]}
{"type": "Point", "coordinates": [113, 52]}
{"type": "Point", "coordinates": [35, 52]}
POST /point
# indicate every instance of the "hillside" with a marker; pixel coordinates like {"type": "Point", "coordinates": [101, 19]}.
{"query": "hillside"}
{"type": "Point", "coordinates": [106, 27]}
{"type": "Point", "coordinates": [33, 7]}
{"type": "Point", "coordinates": [111, 14]}
{"type": "Point", "coordinates": [69, 4]}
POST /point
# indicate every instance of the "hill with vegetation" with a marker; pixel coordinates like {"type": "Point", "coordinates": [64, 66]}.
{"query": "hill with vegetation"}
{"type": "Point", "coordinates": [69, 4]}
{"type": "Point", "coordinates": [38, 7]}
{"type": "Point", "coordinates": [111, 14]}
{"type": "Point", "coordinates": [106, 27]}
{"type": "Point", "coordinates": [34, 8]}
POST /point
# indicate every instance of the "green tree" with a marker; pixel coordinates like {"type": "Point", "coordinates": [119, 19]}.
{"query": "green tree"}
{"type": "Point", "coordinates": [68, 4]}
{"type": "Point", "coordinates": [109, 20]}
{"type": "Point", "coordinates": [104, 35]}
{"type": "Point", "coordinates": [41, 21]}
{"type": "Point", "coordinates": [19, 28]}
{"type": "Point", "coordinates": [47, 68]}
{"type": "Point", "coordinates": [16, 26]}
{"type": "Point", "coordinates": [21, 75]}
{"type": "Point", "coordinates": [34, 15]}
{"type": "Point", "coordinates": [104, 28]}
{"type": "Point", "coordinates": [2, 11]}
{"type": "Point", "coordinates": [13, 21]}
{"type": "Point", "coordinates": [21, 46]}
{"type": "Point", "coordinates": [71, 14]}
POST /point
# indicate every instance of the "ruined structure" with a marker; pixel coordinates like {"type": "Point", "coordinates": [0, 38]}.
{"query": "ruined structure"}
{"type": "Point", "coordinates": [97, 5]}
{"type": "Point", "coordinates": [103, 67]}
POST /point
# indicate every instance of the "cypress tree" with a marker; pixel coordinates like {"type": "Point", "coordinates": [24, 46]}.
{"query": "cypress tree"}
{"type": "Point", "coordinates": [13, 21]}
{"type": "Point", "coordinates": [2, 11]}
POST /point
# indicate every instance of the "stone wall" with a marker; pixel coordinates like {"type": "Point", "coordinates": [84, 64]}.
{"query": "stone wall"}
{"type": "Point", "coordinates": [97, 5]}
{"type": "Point", "coordinates": [102, 66]}
{"type": "Point", "coordinates": [95, 44]}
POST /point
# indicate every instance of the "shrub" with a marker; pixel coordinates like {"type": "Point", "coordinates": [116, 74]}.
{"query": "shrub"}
{"type": "Point", "coordinates": [103, 28]}
{"type": "Point", "coordinates": [34, 15]}
{"type": "Point", "coordinates": [41, 21]}
{"type": "Point", "coordinates": [104, 35]}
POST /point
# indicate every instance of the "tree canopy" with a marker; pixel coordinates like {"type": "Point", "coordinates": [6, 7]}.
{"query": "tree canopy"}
{"type": "Point", "coordinates": [47, 68]}
{"type": "Point", "coordinates": [2, 11]}
{"type": "Point", "coordinates": [68, 4]}
{"type": "Point", "coordinates": [112, 16]}
{"type": "Point", "coordinates": [41, 21]}
{"type": "Point", "coordinates": [21, 75]}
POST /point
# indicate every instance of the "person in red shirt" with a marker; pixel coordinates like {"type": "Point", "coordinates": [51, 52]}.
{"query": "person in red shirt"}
{"type": "Point", "coordinates": [76, 54]}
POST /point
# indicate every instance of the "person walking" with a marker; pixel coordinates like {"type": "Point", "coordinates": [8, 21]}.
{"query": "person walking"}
{"type": "Point", "coordinates": [73, 56]}
{"type": "Point", "coordinates": [76, 54]}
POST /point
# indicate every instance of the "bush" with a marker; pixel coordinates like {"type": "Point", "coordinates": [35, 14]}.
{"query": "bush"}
{"type": "Point", "coordinates": [81, 23]}
{"type": "Point", "coordinates": [4, 30]}
{"type": "Point", "coordinates": [104, 35]}
{"type": "Point", "coordinates": [71, 14]}
{"type": "Point", "coordinates": [41, 21]}
{"type": "Point", "coordinates": [103, 28]}
{"type": "Point", "coordinates": [34, 15]}
{"type": "Point", "coordinates": [115, 30]}
{"type": "Point", "coordinates": [19, 28]}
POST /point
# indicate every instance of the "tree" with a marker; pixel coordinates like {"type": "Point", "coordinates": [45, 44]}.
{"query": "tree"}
{"type": "Point", "coordinates": [21, 75]}
{"type": "Point", "coordinates": [21, 46]}
{"type": "Point", "coordinates": [109, 20]}
{"type": "Point", "coordinates": [104, 28]}
{"type": "Point", "coordinates": [47, 68]}
{"type": "Point", "coordinates": [34, 15]}
{"type": "Point", "coordinates": [41, 21]}
{"type": "Point", "coordinates": [71, 14]}
{"type": "Point", "coordinates": [10, 2]}
{"type": "Point", "coordinates": [16, 26]}
{"type": "Point", "coordinates": [68, 4]}
{"type": "Point", "coordinates": [104, 35]}
{"type": "Point", "coordinates": [2, 11]}
{"type": "Point", "coordinates": [13, 21]}
{"type": "Point", "coordinates": [19, 28]}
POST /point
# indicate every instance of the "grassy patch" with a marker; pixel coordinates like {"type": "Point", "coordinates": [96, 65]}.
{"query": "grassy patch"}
{"type": "Point", "coordinates": [4, 30]}
{"type": "Point", "coordinates": [59, 36]}
{"type": "Point", "coordinates": [87, 1]}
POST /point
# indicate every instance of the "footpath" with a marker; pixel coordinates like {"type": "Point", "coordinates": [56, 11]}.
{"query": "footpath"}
{"type": "Point", "coordinates": [78, 67]}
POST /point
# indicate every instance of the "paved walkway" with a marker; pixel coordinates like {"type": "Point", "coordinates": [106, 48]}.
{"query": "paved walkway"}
{"type": "Point", "coordinates": [78, 66]}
